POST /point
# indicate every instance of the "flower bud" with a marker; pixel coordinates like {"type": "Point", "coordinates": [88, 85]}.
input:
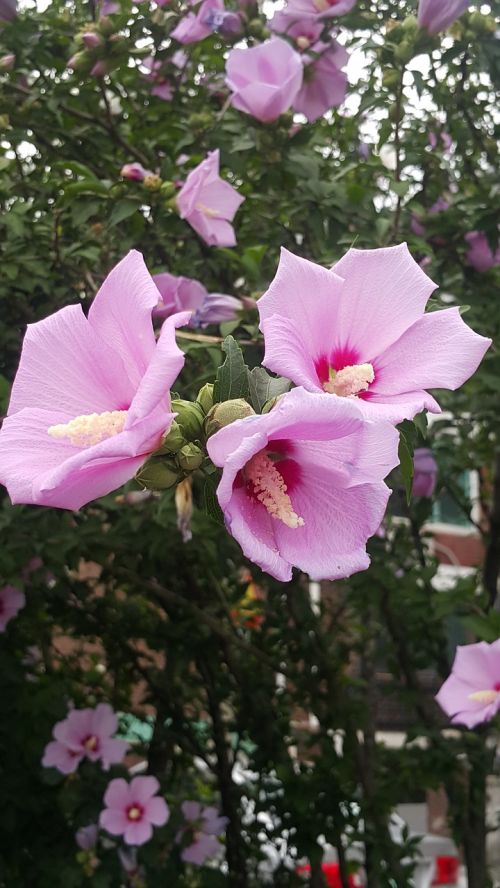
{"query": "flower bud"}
{"type": "Point", "coordinates": [205, 397]}
{"type": "Point", "coordinates": [200, 120]}
{"type": "Point", "coordinates": [158, 473]}
{"type": "Point", "coordinates": [99, 69]}
{"type": "Point", "coordinates": [189, 418]}
{"type": "Point", "coordinates": [90, 39]}
{"type": "Point", "coordinates": [173, 441]}
{"type": "Point", "coordinates": [190, 457]}
{"type": "Point", "coordinates": [168, 189]}
{"type": "Point", "coordinates": [7, 62]}
{"type": "Point", "coordinates": [106, 25]}
{"type": "Point", "coordinates": [225, 413]}
{"type": "Point", "coordinates": [79, 61]}
{"type": "Point", "coordinates": [257, 29]}
{"type": "Point", "coordinates": [152, 182]}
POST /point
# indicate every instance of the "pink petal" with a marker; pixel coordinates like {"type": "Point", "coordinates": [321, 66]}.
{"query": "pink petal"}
{"type": "Point", "coordinates": [114, 820]}
{"type": "Point", "coordinates": [215, 232]}
{"type": "Point", "coordinates": [197, 853]}
{"type": "Point", "coordinates": [254, 529]}
{"type": "Point", "coordinates": [395, 408]}
{"type": "Point", "coordinates": [222, 197]}
{"type": "Point", "coordinates": [117, 794]}
{"type": "Point", "coordinates": [143, 788]}
{"type": "Point", "coordinates": [156, 811]}
{"type": "Point", "coordinates": [104, 721]}
{"type": "Point", "coordinates": [191, 811]}
{"type": "Point", "coordinates": [138, 833]}
{"type": "Point", "coordinates": [57, 755]}
{"type": "Point", "coordinates": [162, 371]}
{"type": "Point", "coordinates": [112, 752]}
{"type": "Point", "coordinates": [121, 313]}
{"type": "Point", "coordinates": [478, 664]}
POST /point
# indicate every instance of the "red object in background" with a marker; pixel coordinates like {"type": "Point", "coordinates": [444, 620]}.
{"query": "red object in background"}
{"type": "Point", "coordinates": [446, 871]}
{"type": "Point", "coordinates": [331, 873]}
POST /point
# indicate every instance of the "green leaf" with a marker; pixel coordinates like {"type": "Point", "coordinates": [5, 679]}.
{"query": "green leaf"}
{"type": "Point", "coordinates": [263, 387]}
{"type": "Point", "coordinates": [406, 464]}
{"type": "Point", "coordinates": [122, 210]}
{"type": "Point", "coordinates": [211, 503]}
{"type": "Point", "coordinates": [232, 376]}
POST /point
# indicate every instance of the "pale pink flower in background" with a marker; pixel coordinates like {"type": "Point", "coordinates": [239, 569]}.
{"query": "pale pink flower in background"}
{"type": "Point", "coordinates": [324, 85]}
{"type": "Point", "coordinates": [109, 7]}
{"type": "Point", "coordinates": [416, 223]}
{"type": "Point", "coordinates": [303, 484]}
{"type": "Point", "coordinates": [479, 253]}
{"type": "Point", "coordinates": [194, 27]}
{"type": "Point", "coordinates": [317, 9]}
{"type": "Point", "coordinates": [425, 472]}
{"type": "Point", "coordinates": [85, 733]}
{"type": "Point", "coordinates": [90, 401]}
{"type": "Point", "coordinates": [359, 330]}
{"type": "Point", "coordinates": [162, 88]}
{"type": "Point", "coordinates": [135, 172]}
{"type": "Point", "coordinates": [229, 24]}
{"type": "Point", "coordinates": [209, 203]}
{"type": "Point", "coordinates": [86, 837]}
{"type": "Point", "coordinates": [99, 69]}
{"type": "Point", "coordinates": [203, 825]}
{"type": "Point", "coordinates": [437, 15]}
{"type": "Point", "coordinates": [264, 79]}
{"type": "Point", "coordinates": [305, 32]}
{"type": "Point", "coordinates": [180, 58]}
{"type": "Point", "coordinates": [12, 600]}
{"type": "Point", "coordinates": [132, 809]}
{"type": "Point", "coordinates": [471, 694]}
{"type": "Point", "coordinates": [8, 10]}
{"type": "Point", "coordinates": [187, 294]}
{"type": "Point", "coordinates": [7, 62]}
{"type": "Point", "coordinates": [91, 39]}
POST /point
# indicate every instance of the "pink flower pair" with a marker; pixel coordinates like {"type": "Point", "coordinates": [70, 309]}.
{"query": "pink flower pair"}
{"type": "Point", "coordinates": [85, 733]}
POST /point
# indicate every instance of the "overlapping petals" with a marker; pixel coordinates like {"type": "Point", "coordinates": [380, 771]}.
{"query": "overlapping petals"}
{"type": "Point", "coordinates": [264, 80]}
{"type": "Point", "coordinates": [471, 694]}
{"type": "Point", "coordinates": [209, 203]}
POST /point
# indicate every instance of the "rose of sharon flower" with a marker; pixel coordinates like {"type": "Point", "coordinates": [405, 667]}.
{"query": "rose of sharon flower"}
{"type": "Point", "coordinates": [203, 825]}
{"type": "Point", "coordinates": [479, 253]}
{"type": "Point", "coordinates": [359, 330]}
{"type": "Point", "coordinates": [425, 472]}
{"type": "Point", "coordinates": [90, 401]}
{"type": "Point", "coordinates": [302, 485]}
{"type": "Point", "coordinates": [317, 9]}
{"type": "Point", "coordinates": [197, 26]}
{"type": "Point", "coordinates": [324, 85]}
{"type": "Point", "coordinates": [86, 837]}
{"type": "Point", "coordinates": [471, 694]}
{"type": "Point", "coordinates": [187, 294]}
{"type": "Point", "coordinates": [264, 79]}
{"type": "Point", "coordinates": [208, 203]}
{"type": "Point", "coordinates": [132, 809]}
{"type": "Point", "coordinates": [8, 10]}
{"type": "Point", "coordinates": [135, 172]}
{"type": "Point", "coordinates": [11, 602]}
{"type": "Point", "coordinates": [437, 15]}
{"type": "Point", "coordinates": [85, 733]}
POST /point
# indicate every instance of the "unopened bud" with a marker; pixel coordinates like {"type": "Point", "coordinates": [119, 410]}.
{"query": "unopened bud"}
{"type": "Point", "coordinates": [7, 62]}
{"type": "Point", "coordinates": [482, 24]}
{"type": "Point", "coordinates": [79, 61]}
{"type": "Point", "coordinates": [158, 473]}
{"type": "Point", "coordinates": [205, 397]}
{"type": "Point", "coordinates": [189, 418]}
{"type": "Point", "coordinates": [173, 440]}
{"type": "Point", "coordinates": [257, 29]}
{"type": "Point", "coordinates": [410, 24]}
{"type": "Point", "coordinates": [405, 51]}
{"type": "Point", "coordinates": [168, 189]}
{"type": "Point", "coordinates": [90, 39]}
{"type": "Point", "coordinates": [106, 25]}
{"type": "Point", "coordinates": [152, 182]}
{"type": "Point", "coordinates": [225, 413]}
{"type": "Point", "coordinates": [190, 457]}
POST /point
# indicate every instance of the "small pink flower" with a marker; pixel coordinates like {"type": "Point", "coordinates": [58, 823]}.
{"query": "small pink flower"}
{"type": "Point", "coordinates": [162, 88]}
{"type": "Point", "coordinates": [7, 62]}
{"type": "Point", "coordinates": [264, 80]}
{"type": "Point", "coordinates": [437, 15]}
{"type": "Point", "coordinates": [317, 9]}
{"type": "Point", "coordinates": [425, 472]}
{"type": "Point", "coordinates": [11, 602]}
{"type": "Point", "coordinates": [479, 253]}
{"type": "Point", "coordinates": [86, 837]}
{"type": "Point", "coordinates": [203, 825]}
{"type": "Point", "coordinates": [91, 39]}
{"type": "Point", "coordinates": [209, 203]}
{"type": "Point", "coordinates": [359, 330]}
{"type": "Point", "coordinates": [90, 401]}
{"type": "Point", "coordinates": [135, 172]}
{"type": "Point", "coordinates": [186, 294]}
{"type": "Point", "coordinates": [85, 733]}
{"type": "Point", "coordinates": [302, 485]}
{"type": "Point", "coordinates": [471, 694]}
{"type": "Point", "coordinates": [99, 69]}
{"type": "Point", "coordinates": [8, 10]}
{"type": "Point", "coordinates": [132, 809]}
{"type": "Point", "coordinates": [324, 84]}
{"type": "Point", "coordinates": [196, 26]}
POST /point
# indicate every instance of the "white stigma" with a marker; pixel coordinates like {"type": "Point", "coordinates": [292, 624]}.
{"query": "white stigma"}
{"type": "Point", "coordinates": [271, 490]}
{"type": "Point", "coordinates": [484, 696]}
{"type": "Point", "coordinates": [350, 381]}
{"type": "Point", "coordinates": [207, 211]}
{"type": "Point", "coordinates": [303, 42]}
{"type": "Point", "coordinates": [90, 428]}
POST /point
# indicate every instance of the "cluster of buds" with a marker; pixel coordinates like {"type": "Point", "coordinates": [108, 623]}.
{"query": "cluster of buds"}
{"type": "Point", "coordinates": [100, 49]}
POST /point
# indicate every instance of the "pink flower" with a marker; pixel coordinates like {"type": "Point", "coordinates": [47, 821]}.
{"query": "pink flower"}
{"type": "Point", "coordinates": [437, 15]}
{"type": "Point", "coordinates": [132, 809]}
{"type": "Point", "coordinates": [305, 32]}
{"type": "Point", "coordinates": [8, 10]}
{"type": "Point", "coordinates": [99, 69]}
{"type": "Point", "coordinates": [11, 602]}
{"type": "Point", "coordinates": [324, 84]}
{"type": "Point", "coordinates": [135, 172]}
{"type": "Point", "coordinates": [7, 62]}
{"type": "Point", "coordinates": [479, 253]}
{"type": "Point", "coordinates": [186, 294]}
{"type": "Point", "coordinates": [302, 485]}
{"type": "Point", "coordinates": [425, 472]}
{"type": "Point", "coordinates": [316, 9]}
{"type": "Point", "coordinates": [85, 733]}
{"type": "Point", "coordinates": [162, 88]}
{"type": "Point", "coordinates": [109, 7]}
{"type": "Point", "coordinates": [90, 401]}
{"type": "Point", "coordinates": [196, 26]}
{"type": "Point", "coordinates": [203, 825]}
{"type": "Point", "coordinates": [86, 837]}
{"type": "Point", "coordinates": [471, 694]}
{"type": "Point", "coordinates": [91, 39]}
{"type": "Point", "coordinates": [265, 79]}
{"type": "Point", "coordinates": [209, 203]}
{"type": "Point", "coordinates": [359, 330]}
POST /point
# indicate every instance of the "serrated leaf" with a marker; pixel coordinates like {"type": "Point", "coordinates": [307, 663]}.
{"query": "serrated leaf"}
{"type": "Point", "coordinates": [211, 503]}
{"type": "Point", "coordinates": [406, 464]}
{"type": "Point", "coordinates": [263, 387]}
{"type": "Point", "coordinates": [232, 375]}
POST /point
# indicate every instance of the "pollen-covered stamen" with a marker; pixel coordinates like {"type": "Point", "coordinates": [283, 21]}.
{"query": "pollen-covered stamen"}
{"type": "Point", "coordinates": [90, 428]}
{"type": "Point", "coordinates": [134, 813]}
{"type": "Point", "coordinates": [270, 489]}
{"type": "Point", "coordinates": [207, 211]}
{"type": "Point", "coordinates": [350, 381]}
{"type": "Point", "coordinates": [91, 743]}
{"type": "Point", "coordinates": [484, 696]}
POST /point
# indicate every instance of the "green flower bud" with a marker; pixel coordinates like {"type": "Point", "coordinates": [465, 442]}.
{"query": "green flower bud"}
{"type": "Point", "coordinates": [410, 24]}
{"type": "Point", "coordinates": [173, 440]}
{"type": "Point", "coordinates": [225, 413]}
{"type": "Point", "coordinates": [257, 28]}
{"type": "Point", "coordinates": [405, 51]}
{"type": "Point", "coordinates": [189, 418]}
{"type": "Point", "coordinates": [205, 397]}
{"type": "Point", "coordinates": [158, 473]}
{"type": "Point", "coordinates": [168, 189]}
{"type": "Point", "coordinates": [200, 120]}
{"type": "Point", "coordinates": [106, 25]}
{"type": "Point", "coordinates": [390, 78]}
{"type": "Point", "coordinates": [190, 457]}
{"type": "Point", "coordinates": [152, 183]}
